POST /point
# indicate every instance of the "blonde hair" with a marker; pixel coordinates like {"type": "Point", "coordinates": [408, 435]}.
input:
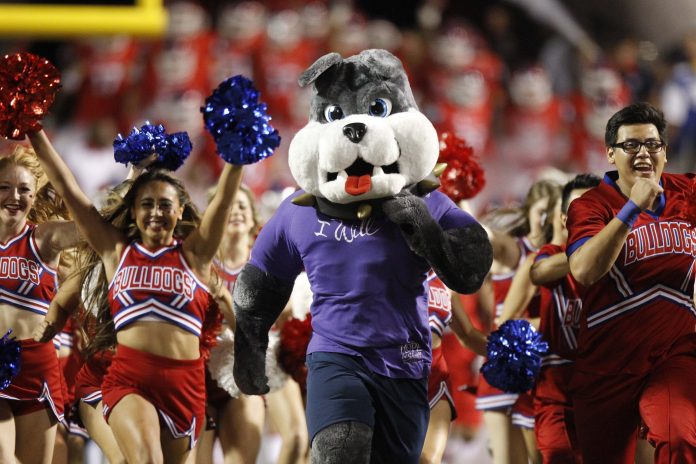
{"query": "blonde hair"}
{"type": "Point", "coordinates": [47, 203]}
{"type": "Point", "coordinates": [515, 221]}
{"type": "Point", "coordinates": [252, 204]}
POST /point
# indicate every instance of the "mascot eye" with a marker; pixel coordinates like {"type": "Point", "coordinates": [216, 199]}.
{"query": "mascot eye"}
{"type": "Point", "coordinates": [333, 113]}
{"type": "Point", "coordinates": [381, 108]}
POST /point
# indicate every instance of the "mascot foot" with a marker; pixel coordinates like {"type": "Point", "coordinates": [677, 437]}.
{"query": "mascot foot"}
{"type": "Point", "coordinates": [342, 443]}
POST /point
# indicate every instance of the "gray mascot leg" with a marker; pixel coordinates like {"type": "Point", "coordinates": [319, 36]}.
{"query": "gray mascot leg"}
{"type": "Point", "coordinates": [342, 443]}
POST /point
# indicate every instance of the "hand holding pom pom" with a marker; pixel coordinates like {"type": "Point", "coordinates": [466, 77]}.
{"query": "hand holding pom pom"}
{"type": "Point", "coordinates": [239, 123]}
{"type": "Point", "coordinates": [10, 362]}
{"type": "Point", "coordinates": [171, 149]}
{"type": "Point", "coordinates": [28, 86]}
{"type": "Point", "coordinates": [514, 356]}
{"type": "Point", "coordinates": [463, 178]}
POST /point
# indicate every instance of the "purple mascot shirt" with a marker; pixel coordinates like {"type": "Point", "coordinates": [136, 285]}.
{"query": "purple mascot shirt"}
{"type": "Point", "coordinates": [369, 292]}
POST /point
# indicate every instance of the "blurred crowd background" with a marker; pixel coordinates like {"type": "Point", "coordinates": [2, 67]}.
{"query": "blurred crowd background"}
{"type": "Point", "coordinates": [529, 84]}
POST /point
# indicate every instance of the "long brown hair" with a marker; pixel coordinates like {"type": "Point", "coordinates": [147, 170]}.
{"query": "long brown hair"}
{"type": "Point", "coordinates": [117, 210]}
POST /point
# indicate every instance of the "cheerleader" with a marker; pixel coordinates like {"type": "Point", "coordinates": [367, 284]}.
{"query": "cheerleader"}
{"type": "Point", "coordinates": [30, 246]}
{"type": "Point", "coordinates": [157, 254]}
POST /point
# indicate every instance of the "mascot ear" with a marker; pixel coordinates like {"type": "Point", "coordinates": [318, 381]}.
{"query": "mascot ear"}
{"type": "Point", "coordinates": [319, 66]}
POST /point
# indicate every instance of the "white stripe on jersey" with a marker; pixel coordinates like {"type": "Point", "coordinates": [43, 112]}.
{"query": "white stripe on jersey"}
{"type": "Point", "coordinates": [120, 264]}
{"type": "Point", "coordinates": [436, 325]}
{"type": "Point", "coordinates": [191, 273]}
{"type": "Point", "coordinates": [156, 253]}
{"type": "Point", "coordinates": [638, 300]}
{"type": "Point", "coordinates": [159, 310]}
{"type": "Point", "coordinates": [125, 296]}
{"type": "Point", "coordinates": [15, 238]}
{"type": "Point", "coordinates": [22, 287]}
{"type": "Point", "coordinates": [66, 339]}
{"type": "Point", "coordinates": [44, 265]}
{"type": "Point", "coordinates": [502, 400]}
{"type": "Point", "coordinates": [620, 281]}
{"type": "Point", "coordinates": [685, 284]}
{"type": "Point", "coordinates": [175, 302]}
{"type": "Point", "coordinates": [554, 360]}
{"type": "Point", "coordinates": [561, 303]}
{"type": "Point", "coordinates": [23, 302]}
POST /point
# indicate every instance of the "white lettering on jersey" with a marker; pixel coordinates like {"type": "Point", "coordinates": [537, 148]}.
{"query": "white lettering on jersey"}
{"type": "Point", "coordinates": [439, 298]}
{"type": "Point", "coordinates": [19, 268]}
{"type": "Point", "coordinates": [572, 311]}
{"type": "Point", "coordinates": [155, 278]}
{"type": "Point", "coordinates": [657, 238]}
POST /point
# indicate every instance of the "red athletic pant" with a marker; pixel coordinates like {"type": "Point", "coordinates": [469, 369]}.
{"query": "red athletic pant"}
{"type": "Point", "coordinates": [554, 423]}
{"type": "Point", "coordinates": [608, 410]}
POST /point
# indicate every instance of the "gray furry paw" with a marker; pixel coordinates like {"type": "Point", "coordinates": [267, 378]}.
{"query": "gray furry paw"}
{"type": "Point", "coordinates": [407, 211]}
{"type": "Point", "coordinates": [250, 364]}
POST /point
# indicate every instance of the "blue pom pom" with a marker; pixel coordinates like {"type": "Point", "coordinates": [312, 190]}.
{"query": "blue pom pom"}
{"type": "Point", "coordinates": [239, 123]}
{"type": "Point", "coordinates": [10, 361]}
{"type": "Point", "coordinates": [172, 149]}
{"type": "Point", "coordinates": [514, 356]}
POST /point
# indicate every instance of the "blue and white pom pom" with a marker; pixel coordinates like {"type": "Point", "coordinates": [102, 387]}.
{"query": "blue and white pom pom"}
{"type": "Point", "coordinates": [10, 361]}
{"type": "Point", "coordinates": [514, 356]}
{"type": "Point", "coordinates": [172, 149]}
{"type": "Point", "coordinates": [238, 122]}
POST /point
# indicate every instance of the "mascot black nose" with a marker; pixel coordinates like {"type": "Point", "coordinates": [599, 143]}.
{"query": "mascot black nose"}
{"type": "Point", "coordinates": [355, 131]}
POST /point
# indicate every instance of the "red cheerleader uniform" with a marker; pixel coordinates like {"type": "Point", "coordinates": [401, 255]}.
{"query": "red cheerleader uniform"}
{"type": "Point", "coordinates": [159, 286]}
{"type": "Point", "coordinates": [27, 283]}
{"type": "Point", "coordinates": [439, 317]}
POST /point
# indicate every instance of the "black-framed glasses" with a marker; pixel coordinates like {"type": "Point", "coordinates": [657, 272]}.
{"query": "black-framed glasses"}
{"type": "Point", "coordinates": [632, 146]}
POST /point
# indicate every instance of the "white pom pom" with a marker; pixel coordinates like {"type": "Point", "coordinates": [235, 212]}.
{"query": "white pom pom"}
{"type": "Point", "coordinates": [221, 362]}
{"type": "Point", "coordinates": [276, 375]}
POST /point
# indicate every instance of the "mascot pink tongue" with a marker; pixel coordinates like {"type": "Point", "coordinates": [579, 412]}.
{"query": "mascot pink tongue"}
{"type": "Point", "coordinates": [357, 185]}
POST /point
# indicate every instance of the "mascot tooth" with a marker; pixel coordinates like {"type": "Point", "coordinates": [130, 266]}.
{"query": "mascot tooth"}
{"type": "Point", "coordinates": [367, 228]}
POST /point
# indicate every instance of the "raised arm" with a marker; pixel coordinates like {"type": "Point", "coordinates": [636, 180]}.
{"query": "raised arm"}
{"type": "Point", "coordinates": [594, 258]}
{"type": "Point", "coordinates": [100, 235]}
{"type": "Point", "coordinates": [200, 247]}
{"type": "Point", "coordinates": [55, 236]}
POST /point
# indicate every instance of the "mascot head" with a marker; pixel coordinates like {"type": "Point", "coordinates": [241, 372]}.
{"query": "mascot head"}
{"type": "Point", "coordinates": [365, 139]}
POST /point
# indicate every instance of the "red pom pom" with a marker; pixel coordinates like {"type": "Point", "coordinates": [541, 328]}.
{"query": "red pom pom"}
{"type": "Point", "coordinates": [294, 339]}
{"type": "Point", "coordinates": [463, 178]}
{"type": "Point", "coordinates": [28, 86]}
{"type": "Point", "coordinates": [688, 209]}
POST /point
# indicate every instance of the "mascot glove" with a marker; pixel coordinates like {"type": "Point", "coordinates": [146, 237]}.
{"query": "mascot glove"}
{"type": "Point", "coordinates": [410, 213]}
